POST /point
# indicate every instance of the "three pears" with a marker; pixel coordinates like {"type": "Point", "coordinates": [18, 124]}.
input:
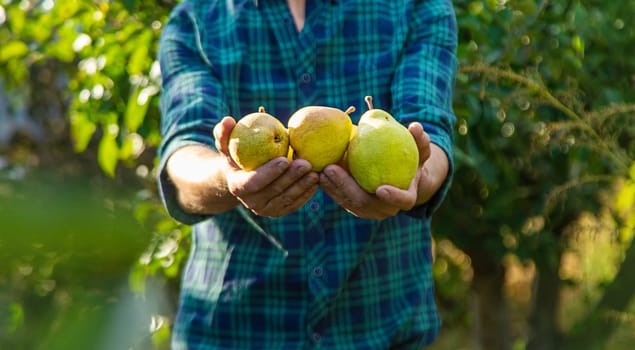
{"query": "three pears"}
{"type": "Point", "coordinates": [377, 151]}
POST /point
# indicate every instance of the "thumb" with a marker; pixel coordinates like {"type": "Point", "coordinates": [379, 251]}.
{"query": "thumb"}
{"type": "Point", "coordinates": [221, 133]}
{"type": "Point", "coordinates": [422, 139]}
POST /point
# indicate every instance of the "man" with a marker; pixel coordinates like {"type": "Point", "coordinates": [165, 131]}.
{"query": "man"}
{"type": "Point", "coordinates": [284, 257]}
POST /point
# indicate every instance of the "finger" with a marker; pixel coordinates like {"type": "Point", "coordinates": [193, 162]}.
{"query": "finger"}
{"type": "Point", "coordinates": [244, 183]}
{"type": "Point", "coordinates": [396, 197]}
{"type": "Point", "coordinates": [222, 132]}
{"type": "Point", "coordinates": [286, 193]}
{"type": "Point", "coordinates": [297, 169]}
{"type": "Point", "coordinates": [368, 207]}
{"type": "Point", "coordinates": [283, 191]}
{"type": "Point", "coordinates": [332, 190]}
{"type": "Point", "coordinates": [338, 184]}
{"type": "Point", "coordinates": [294, 198]}
{"type": "Point", "coordinates": [422, 139]}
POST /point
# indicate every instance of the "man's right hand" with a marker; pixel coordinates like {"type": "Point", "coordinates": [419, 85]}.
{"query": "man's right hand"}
{"type": "Point", "coordinates": [275, 189]}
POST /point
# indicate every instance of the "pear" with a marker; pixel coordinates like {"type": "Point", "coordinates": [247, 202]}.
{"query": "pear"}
{"type": "Point", "coordinates": [320, 134]}
{"type": "Point", "coordinates": [344, 161]}
{"type": "Point", "coordinates": [382, 151]}
{"type": "Point", "coordinates": [256, 139]}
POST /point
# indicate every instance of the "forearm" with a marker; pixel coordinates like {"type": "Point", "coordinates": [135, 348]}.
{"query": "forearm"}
{"type": "Point", "coordinates": [197, 174]}
{"type": "Point", "coordinates": [434, 172]}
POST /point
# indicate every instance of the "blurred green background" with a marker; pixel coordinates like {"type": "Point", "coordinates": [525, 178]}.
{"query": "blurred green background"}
{"type": "Point", "coordinates": [533, 246]}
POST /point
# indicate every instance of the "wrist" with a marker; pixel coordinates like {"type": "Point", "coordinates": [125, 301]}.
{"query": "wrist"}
{"type": "Point", "coordinates": [434, 172]}
{"type": "Point", "coordinates": [198, 174]}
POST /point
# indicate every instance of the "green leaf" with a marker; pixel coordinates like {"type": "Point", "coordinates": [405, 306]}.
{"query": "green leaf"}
{"type": "Point", "coordinates": [16, 319]}
{"type": "Point", "coordinates": [17, 19]}
{"type": "Point", "coordinates": [137, 107]}
{"type": "Point", "coordinates": [82, 130]}
{"type": "Point", "coordinates": [108, 153]}
{"type": "Point", "coordinates": [13, 49]}
{"type": "Point", "coordinates": [578, 45]}
{"type": "Point", "coordinates": [131, 146]}
{"type": "Point", "coordinates": [139, 57]}
{"type": "Point", "coordinates": [127, 149]}
{"type": "Point", "coordinates": [161, 335]}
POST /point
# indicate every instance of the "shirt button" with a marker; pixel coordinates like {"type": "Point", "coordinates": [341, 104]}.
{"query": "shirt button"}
{"type": "Point", "coordinates": [305, 78]}
{"type": "Point", "coordinates": [316, 337]}
{"type": "Point", "coordinates": [314, 206]}
{"type": "Point", "coordinates": [318, 271]}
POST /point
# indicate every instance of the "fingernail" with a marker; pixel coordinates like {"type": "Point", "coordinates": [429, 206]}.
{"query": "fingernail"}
{"type": "Point", "coordinates": [330, 172]}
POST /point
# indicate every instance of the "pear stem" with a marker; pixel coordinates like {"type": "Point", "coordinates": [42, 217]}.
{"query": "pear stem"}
{"type": "Point", "coordinates": [261, 109]}
{"type": "Point", "coordinates": [350, 110]}
{"type": "Point", "coordinates": [369, 101]}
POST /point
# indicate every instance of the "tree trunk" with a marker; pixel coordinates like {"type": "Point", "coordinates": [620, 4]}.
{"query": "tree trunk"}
{"type": "Point", "coordinates": [543, 328]}
{"type": "Point", "coordinates": [491, 318]}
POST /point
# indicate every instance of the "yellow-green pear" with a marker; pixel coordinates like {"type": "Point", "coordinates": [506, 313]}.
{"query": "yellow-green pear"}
{"type": "Point", "coordinates": [256, 139]}
{"type": "Point", "coordinates": [320, 134]}
{"type": "Point", "coordinates": [382, 151]}
{"type": "Point", "coordinates": [344, 161]}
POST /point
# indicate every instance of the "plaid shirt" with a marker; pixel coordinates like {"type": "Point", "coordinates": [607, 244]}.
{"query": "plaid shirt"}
{"type": "Point", "coordinates": [319, 277]}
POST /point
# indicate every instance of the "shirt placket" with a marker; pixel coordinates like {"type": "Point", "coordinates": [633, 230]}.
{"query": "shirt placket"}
{"type": "Point", "coordinates": [301, 63]}
{"type": "Point", "coordinates": [317, 248]}
{"type": "Point", "coordinates": [305, 72]}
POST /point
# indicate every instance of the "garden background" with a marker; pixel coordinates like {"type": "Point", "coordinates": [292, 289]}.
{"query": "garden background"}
{"type": "Point", "coordinates": [533, 246]}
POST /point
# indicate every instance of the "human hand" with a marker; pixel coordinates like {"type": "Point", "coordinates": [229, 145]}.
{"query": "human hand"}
{"type": "Point", "coordinates": [276, 188]}
{"type": "Point", "coordinates": [387, 200]}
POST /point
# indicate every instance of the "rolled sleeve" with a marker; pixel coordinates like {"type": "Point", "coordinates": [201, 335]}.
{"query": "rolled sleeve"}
{"type": "Point", "coordinates": [192, 99]}
{"type": "Point", "coordinates": [423, 87]}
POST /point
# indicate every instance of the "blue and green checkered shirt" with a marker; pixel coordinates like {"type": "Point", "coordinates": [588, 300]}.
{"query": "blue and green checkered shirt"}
{"type": "Point", "coordinates": [320, 277]}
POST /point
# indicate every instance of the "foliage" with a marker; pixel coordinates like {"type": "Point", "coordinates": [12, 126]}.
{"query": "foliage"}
{"type": "Point", "coordinates": [105, 53]}
{"type": "Point", "coordinates": [533, 113]}
{"type": "Point", "coordinates": [99, 57]}
{"type": "Point", "coordinates": [545, 129]}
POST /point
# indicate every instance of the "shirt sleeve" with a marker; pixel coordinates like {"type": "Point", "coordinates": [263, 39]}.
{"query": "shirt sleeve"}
{"type": "Point", "coordinates": [192, 99]}
{"type": "Point", "coordinates": [423, 86]}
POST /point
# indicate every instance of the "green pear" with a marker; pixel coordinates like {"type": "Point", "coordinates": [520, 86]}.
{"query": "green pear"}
{"type": "Point", "coordinates": [382, 151]}
{"type": "Point", "coordinates": [320, 134]}
{"type": "Point", "coordinates": [256, 139]}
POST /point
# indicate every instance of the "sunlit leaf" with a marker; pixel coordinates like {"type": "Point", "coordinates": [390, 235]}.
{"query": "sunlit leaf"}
{"type": "Point", "coordinates": [82, 130]}
{"type": "Point", "coordinates": [126, 149]}
{"type": "Point", "coordinates": [17, 19]}
{"type": "Point", "coordinates": [139, 57]}
{"type": "Point", "coordinates": [625, 199]}
{"type": "Point", "coordinates": [136, 109]}
{"type": "Point", "coordinates": [64, 10]}
{"type": "Point", "coordinates": [108, 153]}
{"type": "Point", "coordinates": [12, 50]}
{"type": "Point", "coordinates": [578, 45]}
{"type": "Point", "coordinates": [131, 146]}
{"type": "Point", "coordinates": [16, 317]}
{"type": "Point", "coordinates": [160, 333]}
